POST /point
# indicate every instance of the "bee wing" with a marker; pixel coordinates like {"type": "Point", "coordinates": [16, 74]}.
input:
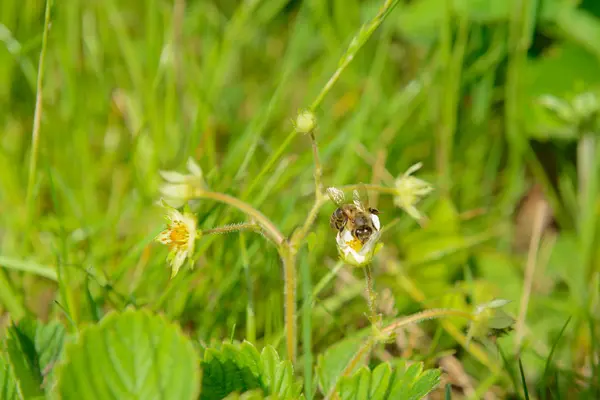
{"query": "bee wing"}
{"type": "Point", "coordinates": [359, 197]}
{"type": "Point", "coordinates": [336, 195]}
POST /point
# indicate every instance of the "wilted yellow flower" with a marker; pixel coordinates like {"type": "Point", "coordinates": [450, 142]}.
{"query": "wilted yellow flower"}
{"type": "Point", "coordinates": [180, 235]}
{"type": "Point", "coordinates": [353, 252]}
{"type": "Point", "coordinates": [179, 188]}
{"type": "Point", "coordinates": [410, 190]}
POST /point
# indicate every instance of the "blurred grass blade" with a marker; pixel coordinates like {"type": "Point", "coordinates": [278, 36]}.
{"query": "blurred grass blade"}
{"type": "Point", "coordinates": [549, 359]}
{"type": "Point", "coordinates": [28, 266]}
{"type": "Point", "coordinates": [523, 381]}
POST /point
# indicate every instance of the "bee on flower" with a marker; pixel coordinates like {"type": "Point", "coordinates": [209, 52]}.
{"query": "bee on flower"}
{"type": "Point", "coordinates": [178, 188]}
{"type": "Point", "coordinates": [358, 228]}
{"type": "Point", "coordinates": [410, 190]}
{"type": "Point", "coordinates": [180, 236]}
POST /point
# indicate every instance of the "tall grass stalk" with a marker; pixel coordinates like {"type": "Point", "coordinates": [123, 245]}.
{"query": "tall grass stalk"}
{"type": "Point", "coordinates": [37, 116]}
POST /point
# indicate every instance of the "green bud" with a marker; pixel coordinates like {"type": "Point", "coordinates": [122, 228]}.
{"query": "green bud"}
{"type": "Point", "coordinates": [306, 122]}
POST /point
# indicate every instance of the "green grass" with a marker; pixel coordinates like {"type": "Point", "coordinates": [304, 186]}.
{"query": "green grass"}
{"type": "Point", "coordinates": [130, 88]}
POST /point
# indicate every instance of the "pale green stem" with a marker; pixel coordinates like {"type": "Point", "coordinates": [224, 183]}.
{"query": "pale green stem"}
{"type": "Point", "coordinates": [37, 116]}
{"type": "Point", "coordinates": [355, 45]}
{"type": "Point", "coordinates": [231, 228]}
{"type": "Point", "coordinates": [402, 322]}
{"type": "Point", "coordinates": [318, 168]}
{"type": "Point", "coordinates": [250, 320]}
{"type": "Point", "coordinates": [289, 277]}
{"type": "Point", "coordinates": [288, 257]}
{"type": "Point", "coordinates": [587, 172]}
{"type": "Point", "coordinates": [371, 298]}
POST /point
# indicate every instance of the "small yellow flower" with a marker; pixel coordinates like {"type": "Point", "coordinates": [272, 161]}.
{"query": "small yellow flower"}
{"type": "Point", "coordinates": [410, 190]}
{"type": "Point", "coordinates": [180, 235]}
{"type": "Point", "coordinates": [353, 252]}
{"type": "Point", "coordinates": [178, 188]}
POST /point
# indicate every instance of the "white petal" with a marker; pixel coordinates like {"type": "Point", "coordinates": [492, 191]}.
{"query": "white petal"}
{"type": "Point", "coordinates": [164, 237]}
{"type": "Point", "coordinates": [194, 168]}
{"type": "Point", "coordinates": [376, 221]}
{"type": "Point", "coordinates": [172, 176]}
{"type": "Point", "coordinates": [413, 168]}
{"type": "Point", "coordinates": [177, 262]}
{"type": "Point", "coordinates": [174, 215]}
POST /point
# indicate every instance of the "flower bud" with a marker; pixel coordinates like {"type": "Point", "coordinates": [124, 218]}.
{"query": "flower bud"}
{"type": "Point", "coordinates": [179, 188]}
{"type": "Point", "coordinates": [410, 190]}
{"type": "Point", "coordinates": [306, 122]}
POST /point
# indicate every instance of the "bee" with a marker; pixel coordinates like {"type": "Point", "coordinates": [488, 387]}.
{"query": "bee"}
{"type": "Point", "coordinates": [360, 220]}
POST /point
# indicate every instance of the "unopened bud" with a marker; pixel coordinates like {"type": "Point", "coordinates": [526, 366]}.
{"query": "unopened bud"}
{"type": "Point", "coordinates": [306, 122]}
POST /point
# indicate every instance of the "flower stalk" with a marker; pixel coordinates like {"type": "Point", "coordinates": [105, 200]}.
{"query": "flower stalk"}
{"type": "Point", "coordinates": [270, 229]}
{"type": "Point", "coordinates": [388, 330]}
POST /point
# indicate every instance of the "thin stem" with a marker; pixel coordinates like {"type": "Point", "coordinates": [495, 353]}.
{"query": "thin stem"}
{"type": "Point", "coordinates": [587, 171]}
{"type": "Point", "coordinates": [318, 168]}
{"type": "Point", "coordinates": [37, 117]}
{"type": "Point", "coordinates": [355, 45]}
{"type": "Point", "coordinates": [231, 228]}
{"type": "Point", "coordinates": [364, 349]}
{"type": "Point", "coordinates": [320, 199]}
{"type": "Point", "coordinates": [250, 320]}
{"type": "Point", "coordinates": [411, 319]}
{"type": "Point", "coordinates": [371, 298]}
{"type": "Point", "coordinates": [426, 315]}
{"type": "Point", "coordinates": [289, 277]}
{"type": "Point", "coordinates": [270, 229]}
{"type": "Point", "coordinates": [532, 258]}
{"type": "Point", "coordinates": [301, 233]}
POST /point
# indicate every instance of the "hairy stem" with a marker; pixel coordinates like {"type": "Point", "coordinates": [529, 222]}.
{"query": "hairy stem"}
{"type": "Point", "coordinates": [411, 319]}
{"type": "Point", "coordinates": [371, 298]}
{"type": "Point", "coordinates": [271, 230]}
{"type": "Point", "coordinates": [231, 228]}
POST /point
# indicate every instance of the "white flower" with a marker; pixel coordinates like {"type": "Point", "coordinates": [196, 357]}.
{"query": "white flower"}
{"type": "Point", "coordinates": [352, 251]}
{"type": "Point", "coordinates": [410, 190]}
{"type": "Point", "coordinates": [180, 235]}
{"type": "Point", "coordinates": [178, 188]}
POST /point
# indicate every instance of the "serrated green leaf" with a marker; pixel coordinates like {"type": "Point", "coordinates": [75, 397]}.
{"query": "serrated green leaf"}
{"type": "Point", "coordinates": [23, 360]}
{"type": "Point", "coordinates": [383, 383]}
{"type": "Point", "coordinates": [234, 370]}
{"type": "Point", "coordinates": [33, 348]}
{"type": "Point", "coordinates": [9, 389]}
{"type": "Point", "coordinates": [331, 362]}
{"type": "Point", "coordinates": [130, 355]}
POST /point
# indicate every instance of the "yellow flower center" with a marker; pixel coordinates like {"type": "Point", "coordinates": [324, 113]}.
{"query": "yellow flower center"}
{"type": "Point", "coordinates": [178, 234]}
{"type": "Point", "coordinates": [355, 244]}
